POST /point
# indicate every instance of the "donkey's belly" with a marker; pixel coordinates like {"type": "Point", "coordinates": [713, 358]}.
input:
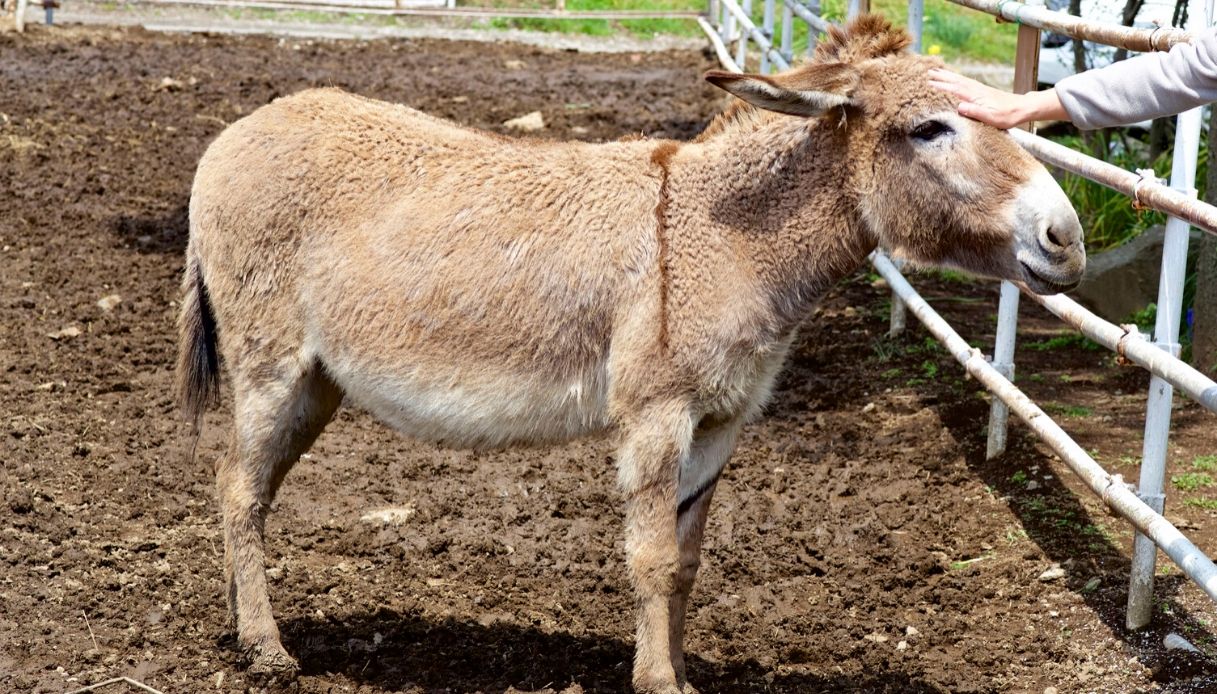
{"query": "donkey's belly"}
{"type": "Point", "coordinates": [486, 408]}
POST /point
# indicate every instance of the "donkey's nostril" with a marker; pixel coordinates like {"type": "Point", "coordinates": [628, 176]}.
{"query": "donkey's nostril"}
{"type": "Point", "coordinates": [1053, 239]}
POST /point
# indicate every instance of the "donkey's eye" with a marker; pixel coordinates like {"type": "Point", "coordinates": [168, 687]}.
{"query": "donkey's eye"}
{"type": "Point", "coordinates": [930, 130]}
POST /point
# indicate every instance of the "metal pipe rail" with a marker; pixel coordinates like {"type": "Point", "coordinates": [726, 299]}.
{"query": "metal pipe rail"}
{"type": "Point", "coordinates": [1145, 191]}
{"type": "Point", "coordinates": [814, 21]}
{"type": "Point", "coordinates": [1112, 489]}
{"type": "Point", "coordinates": [752, 32]}
{"type": "Point", "coordinates": [1118, 35]}
{"type": "Point", "coordinates": [720, 48]}
{"type": "Point", "coordinates": [1133, 346]}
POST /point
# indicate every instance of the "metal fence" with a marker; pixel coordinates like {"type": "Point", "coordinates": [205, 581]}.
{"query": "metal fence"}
{"type": "Point", "coordinates": [730, 28]}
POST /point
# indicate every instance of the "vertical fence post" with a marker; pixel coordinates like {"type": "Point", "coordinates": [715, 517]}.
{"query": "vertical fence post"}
{"type": "Point", "coordinates": [857, 7]}
{"type": "Point", "coordinates": [767, 29]}
{"type": "Point", "coordinates": [20, 16]}
{"type": "Point", "coordinates": [1166, 337]}
{"type": "Point", "coordinates": [727, 26]}
{"type": "Point", "coordinates": [788, 33]}
{"type": "Point", "coordinates": [741, 50]}
{"type": "Point", "coordinates": [1026, 73]}
{"type": "Point", "coordinates": [916, 17]}
{"type": "Point", "coordinates": [812, 37]}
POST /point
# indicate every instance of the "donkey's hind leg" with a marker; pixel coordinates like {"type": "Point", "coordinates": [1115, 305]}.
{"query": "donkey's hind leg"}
{"type": "Point", "coordinates": [277, 419]}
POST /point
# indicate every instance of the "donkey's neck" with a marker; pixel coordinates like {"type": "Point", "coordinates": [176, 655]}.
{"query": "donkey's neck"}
{"type": "Point", "coordinates": [783, 193]}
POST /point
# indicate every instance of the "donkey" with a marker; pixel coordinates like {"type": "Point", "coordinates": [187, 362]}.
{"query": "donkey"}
{"type": "Point", "coordinates": [482, 291]}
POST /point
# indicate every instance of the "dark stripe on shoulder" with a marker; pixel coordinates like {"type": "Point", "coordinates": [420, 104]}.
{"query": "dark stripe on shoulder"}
{"type": "Point", "coordinates": [660, 156]}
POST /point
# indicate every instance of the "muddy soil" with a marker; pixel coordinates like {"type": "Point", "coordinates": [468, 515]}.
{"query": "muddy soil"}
{"type": "Point", "coordinates": [860, 541]}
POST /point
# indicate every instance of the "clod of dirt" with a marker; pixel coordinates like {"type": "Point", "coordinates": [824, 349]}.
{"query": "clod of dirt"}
{"type": "Point", "coordinates": [529, 122]}
{"type": "Point", "coordinates": [64, 334]}
{"type": "Point", "coordinates": [108, 302]}
{"type": "Point", "coordinates": [1052, 574]}
{"type": "Point", "coordinates": [514, 64]}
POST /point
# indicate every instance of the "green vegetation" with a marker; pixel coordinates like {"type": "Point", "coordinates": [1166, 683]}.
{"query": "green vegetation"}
{"type": "Point", "coordinates": [1208, 463]}
{"type": "Point", "coordinates": [1199, 502]}
{"type": "Point", "coordinates": [1191, 481]}
{"type": "Point", "coordinates": [642, 28]}
{"type": "Point", "coordinates": [1066, 341]}
{"type": "Point", "coordinates": [1019, 478]}
{"type": "Point", "coordinates": [1068, 410]}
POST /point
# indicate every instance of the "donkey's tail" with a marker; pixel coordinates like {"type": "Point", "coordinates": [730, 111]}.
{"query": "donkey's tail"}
{"type": "Point", "coordinates": [198, 361]}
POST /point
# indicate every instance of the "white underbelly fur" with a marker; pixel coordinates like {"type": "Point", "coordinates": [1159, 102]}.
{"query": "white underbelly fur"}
{"type": "Point", "coordinates": [488, 409]}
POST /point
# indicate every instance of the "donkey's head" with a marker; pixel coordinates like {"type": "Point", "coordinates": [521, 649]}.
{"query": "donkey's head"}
{"type": "Point", "coordinates": [932, 186]}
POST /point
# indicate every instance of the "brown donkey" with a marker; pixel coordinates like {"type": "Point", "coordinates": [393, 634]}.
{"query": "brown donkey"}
{"type": "Point", "coordinates": [483, 291]}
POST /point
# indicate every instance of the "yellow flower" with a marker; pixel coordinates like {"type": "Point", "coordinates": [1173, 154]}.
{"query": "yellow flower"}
{"type": "Point", "coordinates": [934, 49]}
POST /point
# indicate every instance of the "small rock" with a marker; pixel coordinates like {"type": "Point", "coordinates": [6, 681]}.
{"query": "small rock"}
{"type": "Point", "coordinates": [902, 646]}
{"type": "Point", "coordinates": [849, 312]}
{"type": "Point", "coordinates": [529, 122]}
{"type": "Point", "coordinates": [388, 516]}
{"type": "Point", "coordinates": [64, 334]}
{"type": "Point", "coordinates": [1032, 485]}
{"type": "Point", "coordinates": [514, 64]}
{"type": "Point", "coordinates": [879, 284]}
{"type": "Point", "coordinates": [870, 407]}
{"type": "Point", "coordinates": [1092, 585]}
{"type": "Point", "coordinates": [1175, 642]}
{"type": "Point", "coordinates": [460, 99]}
{"type": "Point", "coordinates": [1049, 690]}
{"type": "Point", "coordinates": [108, 302]}
{"type": "Point", "coordinates": [876, 637]}
{"type": "Point", "coordinates": [911, 631]}
{"type": "Point", "coordinates": [579, 130]}
{"type": "Point", "coordinates": [168, 84]}
{"type": "Point", "coordinates": [1052, 574]}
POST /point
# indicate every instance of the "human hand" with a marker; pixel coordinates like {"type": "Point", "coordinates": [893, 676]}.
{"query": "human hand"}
{"type": "Point", "coordinates": [994, 106]}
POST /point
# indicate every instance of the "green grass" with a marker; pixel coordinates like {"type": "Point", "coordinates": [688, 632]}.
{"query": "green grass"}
{"type": "Point", "coordinates": [1197, 502]}
{"type": "Point", "coordinates": [1191, 481]}
{"type": "Point", "coordinates": [1066, 341]}
{"type": "Point", "coordinates": [1207, 463]}
{"type": "Point", "coordinates": [1068, 410]}
{"type": "Point", "coordinates": [642, 28]}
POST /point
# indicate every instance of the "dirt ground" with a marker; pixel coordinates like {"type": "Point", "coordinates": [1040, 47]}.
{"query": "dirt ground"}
{"type": "Point", "coordinates": [860, 541]}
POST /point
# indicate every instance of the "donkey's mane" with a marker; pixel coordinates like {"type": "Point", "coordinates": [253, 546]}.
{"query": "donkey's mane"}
{"type": "Point", "coordinates": [866, 37]}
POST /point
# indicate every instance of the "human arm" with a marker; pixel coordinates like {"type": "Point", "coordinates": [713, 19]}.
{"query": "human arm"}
{"type": "Point", "coordinates": [1147, 86]}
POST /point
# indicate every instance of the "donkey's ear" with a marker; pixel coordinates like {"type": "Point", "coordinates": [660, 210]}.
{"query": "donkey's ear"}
{"type": "Point", "coordinates": [808, 91]}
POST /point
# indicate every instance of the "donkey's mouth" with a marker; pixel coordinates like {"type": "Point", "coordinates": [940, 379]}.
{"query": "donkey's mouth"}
{"type": "Point", "coordinates": [1043, 285]}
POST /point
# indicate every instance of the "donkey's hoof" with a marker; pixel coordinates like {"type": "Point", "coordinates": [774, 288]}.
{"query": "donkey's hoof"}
{"type": "Point", "coordinates": [686, 688]}
{"type": "Point", "coordinates": [273, 662]}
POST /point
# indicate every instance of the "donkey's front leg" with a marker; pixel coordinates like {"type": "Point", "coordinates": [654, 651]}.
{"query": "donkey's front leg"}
{"type": "Point", "coordinates": [649, 468]}
{"type": "Point", "coordinates": [713, 443]}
